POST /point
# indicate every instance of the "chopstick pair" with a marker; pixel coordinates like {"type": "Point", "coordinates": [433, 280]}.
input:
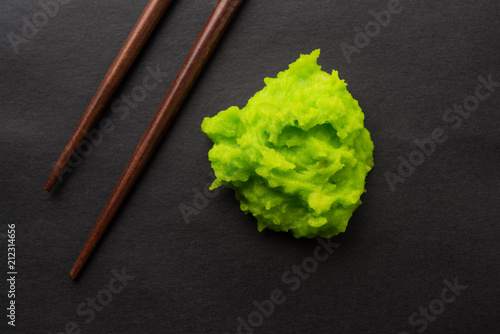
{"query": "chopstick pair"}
{"type": "Point", "coordinates": [183, 82]}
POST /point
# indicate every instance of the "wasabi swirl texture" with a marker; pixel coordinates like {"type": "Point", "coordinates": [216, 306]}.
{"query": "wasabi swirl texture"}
{"type": "Point", "coordinates": [297, 154]}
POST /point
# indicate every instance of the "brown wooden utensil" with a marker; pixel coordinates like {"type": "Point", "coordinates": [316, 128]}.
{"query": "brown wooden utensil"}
{"type": "Point", "coordinates": [135, 41]}
{"type": "Point", "coordinates": [197, 58]}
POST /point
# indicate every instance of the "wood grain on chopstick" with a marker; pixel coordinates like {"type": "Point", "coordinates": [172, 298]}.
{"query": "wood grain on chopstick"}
{"type": "Point", "coordinates": [135, 41]}
{"type": "Point", "coordinates": [198, 56]}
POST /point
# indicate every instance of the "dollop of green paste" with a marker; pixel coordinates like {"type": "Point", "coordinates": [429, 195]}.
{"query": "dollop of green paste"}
{"type": "Point", "coordinates": [297, 154]}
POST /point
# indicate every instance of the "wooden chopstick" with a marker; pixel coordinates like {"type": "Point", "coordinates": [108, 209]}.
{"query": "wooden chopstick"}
{"type": "Point", "coordinates": [183, 82]}
{"type": "Point", "coordinates": [135, 41]}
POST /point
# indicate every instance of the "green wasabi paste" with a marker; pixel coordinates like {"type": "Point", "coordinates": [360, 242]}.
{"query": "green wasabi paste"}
{"type": "Point", "coordinates": [297, 154]}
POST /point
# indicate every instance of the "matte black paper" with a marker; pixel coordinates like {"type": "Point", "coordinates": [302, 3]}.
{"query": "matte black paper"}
{"type": "Point", "coordinates": [420, 255]}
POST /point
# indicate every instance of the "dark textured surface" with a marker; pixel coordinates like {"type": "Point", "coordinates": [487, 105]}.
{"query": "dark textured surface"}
{"type": "Point", "coordinates": [441, 223]}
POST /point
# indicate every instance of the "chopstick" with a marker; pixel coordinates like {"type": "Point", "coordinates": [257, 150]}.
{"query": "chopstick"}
{"type": "Point", "coordinates": [183, 82]}
{"type": "Point", "coordinates": [135, 41]}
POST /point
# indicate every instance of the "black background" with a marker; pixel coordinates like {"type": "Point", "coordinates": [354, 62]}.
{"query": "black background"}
{"type": "Point", "coordinates": [400, 246]}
